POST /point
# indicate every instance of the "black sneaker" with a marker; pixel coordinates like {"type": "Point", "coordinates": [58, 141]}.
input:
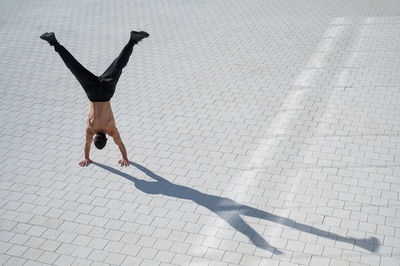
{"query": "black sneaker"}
{"type": "Point", "coordinates": [49, 37]}
{"type": "Point", "coordinates": [138, 36]}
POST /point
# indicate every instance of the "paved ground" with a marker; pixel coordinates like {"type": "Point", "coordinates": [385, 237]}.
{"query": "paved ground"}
{"type": "Point", "coordinates": [260, 133]}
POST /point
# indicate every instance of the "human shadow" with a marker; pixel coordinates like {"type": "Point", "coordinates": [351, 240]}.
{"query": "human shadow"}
{"type": "Point", "coordinates": [231, 211]}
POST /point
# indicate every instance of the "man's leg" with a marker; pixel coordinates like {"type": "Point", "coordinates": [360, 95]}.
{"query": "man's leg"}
{"type": "Point", "coordinates": [115, 69]}
{"type": "Point", "coordinates": [84, 76]}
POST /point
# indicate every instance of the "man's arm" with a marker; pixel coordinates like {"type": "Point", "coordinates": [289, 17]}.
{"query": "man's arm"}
{"type": "Point", "coordinates": [121, 146]}
{"type": "Point", "coordinates": [89, 139]}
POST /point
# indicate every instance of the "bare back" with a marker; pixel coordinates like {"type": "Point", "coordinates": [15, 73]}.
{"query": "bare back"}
{"type": "Point", "coordinates": [100, 118]}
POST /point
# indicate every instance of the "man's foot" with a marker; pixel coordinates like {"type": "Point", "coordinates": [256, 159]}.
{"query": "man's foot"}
{"type": "Point", "coordinates": [138, 36]}
{"type": "Point", "coordinates": [49, 37]}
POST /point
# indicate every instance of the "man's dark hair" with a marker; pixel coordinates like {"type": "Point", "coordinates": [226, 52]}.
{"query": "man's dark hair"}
{"type": "Point", "coordinates": [100, 140]}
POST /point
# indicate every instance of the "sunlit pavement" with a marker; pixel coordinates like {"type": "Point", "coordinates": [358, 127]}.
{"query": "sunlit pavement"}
{"type": "Point", "coordinates": [259, 132]}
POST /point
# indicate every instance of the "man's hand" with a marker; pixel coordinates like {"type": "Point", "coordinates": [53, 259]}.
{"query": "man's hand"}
{"type": "Point", "coordinates": [123, 162]}
{"type": "Point", "coordinates": [85, 162]}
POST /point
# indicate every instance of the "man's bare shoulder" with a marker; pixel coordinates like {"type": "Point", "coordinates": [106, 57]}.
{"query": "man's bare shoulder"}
{"type": "Point", "coordinates": [89, 131]}
{"type": "Point", "coordinates": [112, 129]}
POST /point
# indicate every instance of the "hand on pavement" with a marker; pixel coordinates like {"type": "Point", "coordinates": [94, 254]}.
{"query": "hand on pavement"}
{"type": "Point", "coordinates": [123, 162]}
{"type": "Point", "coordinates": [85, 162]}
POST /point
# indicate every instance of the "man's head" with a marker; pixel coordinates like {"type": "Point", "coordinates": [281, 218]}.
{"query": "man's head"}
{"type": "Point", "coordinates": [100, 140]}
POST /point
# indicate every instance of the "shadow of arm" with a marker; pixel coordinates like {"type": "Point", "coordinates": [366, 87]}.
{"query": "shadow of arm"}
{"type": "Point", "coordinates": [148, 172]}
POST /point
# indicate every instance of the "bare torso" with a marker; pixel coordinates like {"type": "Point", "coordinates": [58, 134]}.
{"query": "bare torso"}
{"type": "Point", "coordinates": [100, 118]}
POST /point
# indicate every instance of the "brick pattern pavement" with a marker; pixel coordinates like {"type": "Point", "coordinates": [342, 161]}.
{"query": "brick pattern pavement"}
{"type": "Point", "coordinates": [262, 133]}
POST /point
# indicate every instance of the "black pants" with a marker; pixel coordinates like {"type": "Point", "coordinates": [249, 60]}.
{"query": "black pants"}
{"type": "Point", "coordinates": [98, 88]}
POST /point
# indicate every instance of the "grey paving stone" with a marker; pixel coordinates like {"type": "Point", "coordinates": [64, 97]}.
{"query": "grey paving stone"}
{"type": "Point", "coordinates": [48, 257]}
{"type": "Point", "coordinates": [260, 133]}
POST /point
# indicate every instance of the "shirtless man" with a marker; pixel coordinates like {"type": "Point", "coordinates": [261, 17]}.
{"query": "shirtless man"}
{"type": "Point", "coordinates": [99, 90]}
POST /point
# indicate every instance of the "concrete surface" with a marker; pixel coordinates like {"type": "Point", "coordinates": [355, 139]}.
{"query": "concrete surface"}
{"type": "Point", "coordinates": [260, 132]}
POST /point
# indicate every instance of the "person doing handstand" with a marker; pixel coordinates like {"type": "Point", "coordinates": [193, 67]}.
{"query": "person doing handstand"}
{"type": "Point", "coordinates": [99, 90]}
